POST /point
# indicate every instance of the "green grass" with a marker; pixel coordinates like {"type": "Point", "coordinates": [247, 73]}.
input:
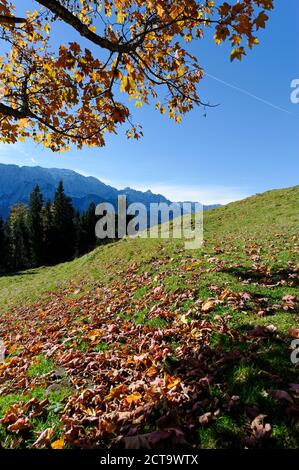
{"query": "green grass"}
{"type": "Point", "coordinates": [49, 419]}
{"type": "Point", "coordinates": [101, 347]}
{"type": "Point", "coordinates": [270, 218]}
{"type": "Point", "coordinates": [249, 246]}
{"type": "Point", "coordinates": [41, 366]}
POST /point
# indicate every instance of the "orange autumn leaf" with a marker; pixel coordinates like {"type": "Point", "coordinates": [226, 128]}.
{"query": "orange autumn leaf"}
{"type": "Point", "coordinates": [151, 371]}
{"type": "Point", "coordinates": [173, 382]}
{"type": "Point", "coordinates": [58, 444]}
{"type": "Point", "coordinates": [117, 391]}
{"type": "Point", "coordinates": [294, 332]}
{"type": "Point", "coordinates": [107, 426]}
{"type": "Point", "coordinates": [133, 397]}
{"type": "Point", "coordinates": [22, 424]}
{"type": "Point", "coordinates": [94, 334]}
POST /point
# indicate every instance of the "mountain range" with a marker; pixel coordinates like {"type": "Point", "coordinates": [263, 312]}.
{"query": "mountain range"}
{"type": "Point", "coordinates": [17, 182]}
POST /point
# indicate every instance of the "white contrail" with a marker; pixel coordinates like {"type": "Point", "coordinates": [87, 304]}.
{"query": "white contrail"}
{"type": "Point", "coordinates": [249, 94]}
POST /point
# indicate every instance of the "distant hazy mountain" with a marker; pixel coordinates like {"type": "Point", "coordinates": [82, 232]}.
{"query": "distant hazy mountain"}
{"type": "Point", "coordinates": [16, 184]}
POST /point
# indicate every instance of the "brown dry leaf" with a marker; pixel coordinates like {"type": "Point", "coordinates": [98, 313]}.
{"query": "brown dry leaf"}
{"type": "Point", "coordinates": [294, 332]}
{"type": "Point", "coordinates": [260, 429]}
{"type": "Point", "coordinates": [107, 426]}
{"type": "Point", "coordinates": [44, 438]}
{"type": "Point", "coordinates": [206, 418]}
{"type": "Point", "coordinates": [137, 442]}
{"type": "Point", "coordinates": [281, 395]}
{"type": "Point", "coordinates": [9, 418]}
{"type": "Point", "coordinates": [22, 424]}
{"type": "Point", "coordinates": [117, 391]}
{"type": "Point", "coordinates": [94, 334]}
{"type": "Point", "coordinates": [208, 306]}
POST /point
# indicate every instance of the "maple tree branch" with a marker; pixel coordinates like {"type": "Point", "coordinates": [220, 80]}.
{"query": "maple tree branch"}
{"type": "Point", "coordinates": [11, 112]}
{"type": "Point", "coordinates": [5, 19]}
{"type": "Point", "coordinates": [8, 111]}
{"type": "Point", "coordinates": [169, 83]}
{"type": "Point", "coordinates": [166, 25]}
{"type": "Point", "coordinates": [68, 17]}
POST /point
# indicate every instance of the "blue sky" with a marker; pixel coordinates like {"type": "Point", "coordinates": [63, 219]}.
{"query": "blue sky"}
{"type": "Point", "coordinates": [248, 144]}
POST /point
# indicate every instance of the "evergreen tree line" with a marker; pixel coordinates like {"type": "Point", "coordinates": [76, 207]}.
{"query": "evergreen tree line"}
{"type": "Point", "coordinates": [45, 233]}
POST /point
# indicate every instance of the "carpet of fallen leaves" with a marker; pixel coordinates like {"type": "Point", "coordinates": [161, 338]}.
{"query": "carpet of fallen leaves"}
{"type": "Point", "coordinates": [138, 384]}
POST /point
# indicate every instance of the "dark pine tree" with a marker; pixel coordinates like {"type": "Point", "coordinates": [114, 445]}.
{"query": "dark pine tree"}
{"type": "Point", "coordinates": [35, 226]}
{"type": "Point", "coordinates": [48, 234]}
{"type": "Point", "coordinates": [64, 233]}
{"type": "Point", "coordinates": [77, 225]}
{"type": "Point", "coordinates": [18, 239]}
{"type": "Point", "coordinates": [86, 233]}
{"type": "Point", "coordinates": [3, 247]}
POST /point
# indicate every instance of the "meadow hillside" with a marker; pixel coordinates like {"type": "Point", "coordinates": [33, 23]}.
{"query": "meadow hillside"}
{"type": "Point", "coordinates": [144, 344]}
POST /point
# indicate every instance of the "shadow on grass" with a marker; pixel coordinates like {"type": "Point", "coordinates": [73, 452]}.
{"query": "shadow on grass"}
{"type": "Point", "coordinates": [18, 273]}
{"type": "Point", "coordinates": [233, 382]}
{"type": "Point", "coordinates": [282, 276]}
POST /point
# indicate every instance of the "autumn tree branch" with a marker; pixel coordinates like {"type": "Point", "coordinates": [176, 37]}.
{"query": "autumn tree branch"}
{"type": "Point", "coordinates": [68, 17]}
{"type": "Point", "coordinates": [12, 112]}
{"type": "Point", "coordinates": [12, 20]}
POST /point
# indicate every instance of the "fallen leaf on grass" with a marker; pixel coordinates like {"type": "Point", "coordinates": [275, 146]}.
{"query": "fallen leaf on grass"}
{"type": "Point", "coordinates": [206, 418]}
{"type": "Point", "coordinates": [208, 306]}
{"type": "Point", "coordinates": [294, 388]}
{"type": "Point", "coordinates": [136, 442]}
{"type": "Point", "coordinates": [261, 429]}
{"type": "Point", "coordinates": [133, 397]}
{"type": "Point", "coordinates": [44, 438]}
{"type": "Point", "coordinates": [173, 383]}
{"type": "Point", "coordinates": [59, 444]}
{"type": "Point", "coordinates": [281, 395]}
{"type": "Point", "coordinates": [22, 424]}
{"type": "Point", "coordinates": [117, 391]}
{"type": "Point", "coordinates": [294, 332]}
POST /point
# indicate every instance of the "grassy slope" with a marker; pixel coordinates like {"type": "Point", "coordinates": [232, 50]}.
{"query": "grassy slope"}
{"type": "Point", "coordinates": [270, 219]}
{"type": "Point", "coordinates": [250, 246]}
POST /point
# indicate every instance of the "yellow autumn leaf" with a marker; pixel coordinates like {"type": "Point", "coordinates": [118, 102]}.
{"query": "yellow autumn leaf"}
{"type": "Point", "coordinates": [127, 84]}
{"type": "Point", "coordinates": [208, 305]}
{"type": "Point", "coordinates": [59, 444]}
{"type": "Point", "coordinates": [183, 319]}
{"type": "Point", "coordinates": [237, 53]}
{"type": "Point", "coordinates": [120, 16]}
{"type": "Point", "coordinates": [94, 334]}
{"type": "Point", "coordinates": [160, 10]}
{"type": "Point", "coordinates": [226, 293]}
{"type": "Point", "coordinates": [174, 382]}
{"type": "Point", "coordinates": [23, 122]}
{"type": "Point", "coordinates": [117, 391]}
{"type": "Point", "coordinates": [196, 334]}
{"type": "Point", "coordinates": [133, 397]}
{"type": "Point", "coordinates": [47, 28]}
